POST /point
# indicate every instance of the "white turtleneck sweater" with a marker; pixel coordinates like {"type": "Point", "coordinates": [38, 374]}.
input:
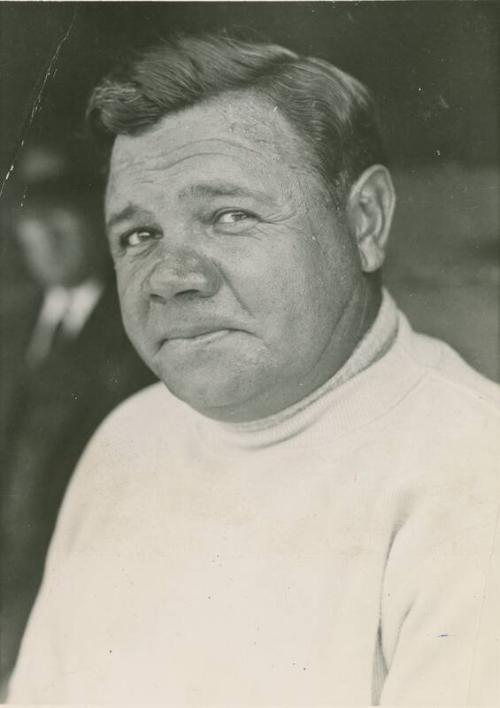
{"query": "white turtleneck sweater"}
{"type": "Point", "coordinates": [343, 552]}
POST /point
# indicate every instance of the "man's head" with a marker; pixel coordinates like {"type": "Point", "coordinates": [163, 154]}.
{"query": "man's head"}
{"type": "Point", "coordinates": [59, 225]}
{"type": "Point", "coordinates": [247, 214]}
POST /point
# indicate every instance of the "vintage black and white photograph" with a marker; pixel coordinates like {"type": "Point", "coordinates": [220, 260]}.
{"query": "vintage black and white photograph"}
{"type": "Point", "coordinates": [250, 353]}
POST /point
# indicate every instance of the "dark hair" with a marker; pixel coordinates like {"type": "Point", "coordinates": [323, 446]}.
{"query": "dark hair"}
{"type": "Point", "coordinates": [331, 111]}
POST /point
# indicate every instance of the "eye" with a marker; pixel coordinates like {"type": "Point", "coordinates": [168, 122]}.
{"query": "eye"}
{"type": "Point", "coordinates": [136, 238]}
{"type": "Point", "coordinates": [231, 217]}
{"type": "Point", "coordinates": [234, 220]}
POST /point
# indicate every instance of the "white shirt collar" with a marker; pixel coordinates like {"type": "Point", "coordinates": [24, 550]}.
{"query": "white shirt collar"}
{"type": "Point", "coordinates": [71, 306]}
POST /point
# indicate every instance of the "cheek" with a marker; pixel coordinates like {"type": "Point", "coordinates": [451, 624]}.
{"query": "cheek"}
{"type": "Point", "coordinates": [312, 288]}
{"type": "Point", "coordinates": [302, 278]}
{"type": "Point", "coordinates": [131, 303]}
{"type": "Point", "coordinates": [284, 288]}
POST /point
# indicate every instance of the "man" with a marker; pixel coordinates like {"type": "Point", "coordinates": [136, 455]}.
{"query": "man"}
{"type": "Point", "coordinates": [305, 514]}
{"type": "Point", "coordinates": [76, 366]}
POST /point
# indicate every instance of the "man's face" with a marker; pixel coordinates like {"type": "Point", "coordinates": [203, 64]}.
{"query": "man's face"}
{"type": "Point", "coordinates": [55, 242]}
{"type": "Point", "coordinates": [237, 279]}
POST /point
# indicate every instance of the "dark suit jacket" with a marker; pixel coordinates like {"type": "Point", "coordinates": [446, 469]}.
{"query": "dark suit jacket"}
{"type": "Point", "coordinates": [51, 412]}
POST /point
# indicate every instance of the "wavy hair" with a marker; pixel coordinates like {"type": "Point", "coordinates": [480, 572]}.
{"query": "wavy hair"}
{"type": "Point", "coordinates": [332, 112]}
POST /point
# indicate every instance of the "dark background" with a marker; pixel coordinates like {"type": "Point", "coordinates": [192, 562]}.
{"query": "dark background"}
{"type": "Point", "coordinates": [434, 67]}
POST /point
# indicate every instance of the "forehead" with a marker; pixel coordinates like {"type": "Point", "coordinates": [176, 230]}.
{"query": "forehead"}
{"type": "Point", "coordinates": [241, 133]}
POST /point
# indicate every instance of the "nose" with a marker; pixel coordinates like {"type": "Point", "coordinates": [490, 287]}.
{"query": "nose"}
{"type": "Point", "coordinates": [181, 275]}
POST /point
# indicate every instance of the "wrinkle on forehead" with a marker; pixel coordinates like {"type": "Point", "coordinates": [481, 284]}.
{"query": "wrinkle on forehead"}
{"type": "Point", "coordinates": [164, 156]}
{"type": "Point", "coordinates": [233, 122]}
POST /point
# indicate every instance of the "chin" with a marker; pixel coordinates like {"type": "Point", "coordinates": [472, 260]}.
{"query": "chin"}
{"type": "Point", "coordinates": [218, 395]}
{"type": "Point", "coordinates": [214, 380]}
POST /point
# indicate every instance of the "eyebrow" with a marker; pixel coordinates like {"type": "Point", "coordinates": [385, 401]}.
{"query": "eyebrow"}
{"type": "Point", "coordinates": [217, 189]}
{"type": "Point", "coordinates": [220, 189]}
{"type": "Point", "coordinates": [129, 212]}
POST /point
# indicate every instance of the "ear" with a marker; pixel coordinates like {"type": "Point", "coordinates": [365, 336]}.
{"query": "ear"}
{"type": "Point", "coordinates": [370, 207]}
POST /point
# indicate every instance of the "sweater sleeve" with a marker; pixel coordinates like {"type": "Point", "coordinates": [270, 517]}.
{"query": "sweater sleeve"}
{"type": "Point", "coordinates": [100, 482]}
{"type": "Point", "coordinates": [441, 609]}
{"type": "Point", "coordinates": [42, 666]}
{"type": "Point", "coordinates": [36, 678]}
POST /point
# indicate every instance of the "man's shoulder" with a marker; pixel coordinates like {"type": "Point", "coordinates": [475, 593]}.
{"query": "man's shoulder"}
{"type": "Point", "coordinates": [438, 454]}
{"type": "Point", "coordinates": [146, 411]}
{"type": "Point", "coordinates": [448, 377]}
{"type": "Point", "coordinates": [145, 427]}
{"type": "Point", "coordinates": [121, 467]}
{"type": "Point", "coordinates": [447, 426]}
{"type": "Point", "coordinates": [422, 394]}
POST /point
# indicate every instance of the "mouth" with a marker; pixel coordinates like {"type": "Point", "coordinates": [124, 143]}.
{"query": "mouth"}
{"type": "Point", "coordinates": [196, 339]}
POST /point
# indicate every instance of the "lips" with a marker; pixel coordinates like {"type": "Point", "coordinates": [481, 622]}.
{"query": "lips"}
{"type": "Point", "coordinates": [195, 335]}
{"type": "Point", "coordinates": [204, 336]}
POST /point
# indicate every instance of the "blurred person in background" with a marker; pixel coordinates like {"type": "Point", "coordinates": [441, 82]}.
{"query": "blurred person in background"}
{"type": "Point", "coordinates": [76, 366]}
